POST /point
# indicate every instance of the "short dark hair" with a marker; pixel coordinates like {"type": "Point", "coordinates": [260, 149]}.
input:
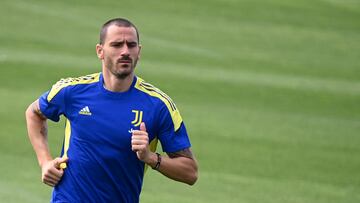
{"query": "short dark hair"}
{"type": "Point", "coordinates": [121, 22]}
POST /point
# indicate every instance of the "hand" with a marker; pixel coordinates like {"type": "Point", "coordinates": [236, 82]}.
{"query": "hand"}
{"type": "Point", "coordinates": [51, 172]}
{"type": "Point", "coordinates": [140, 143]}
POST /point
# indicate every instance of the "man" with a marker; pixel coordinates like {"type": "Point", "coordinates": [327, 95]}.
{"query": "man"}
{"type": "Point", "coordinates": [113, 122]}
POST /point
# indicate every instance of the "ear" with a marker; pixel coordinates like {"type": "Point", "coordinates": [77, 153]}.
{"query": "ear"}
{"type": "Point", "coordinates": [139, 51]}
{"type": "Point", "coordinates": [100, 51]}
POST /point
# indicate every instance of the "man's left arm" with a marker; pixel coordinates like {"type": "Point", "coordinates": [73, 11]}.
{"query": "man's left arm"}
{"type": "Point", "coordinates": [180, 166]}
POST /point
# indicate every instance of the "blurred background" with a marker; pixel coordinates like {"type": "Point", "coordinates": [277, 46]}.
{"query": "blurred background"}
{"type": "Point", "coordinates": [269, 91]}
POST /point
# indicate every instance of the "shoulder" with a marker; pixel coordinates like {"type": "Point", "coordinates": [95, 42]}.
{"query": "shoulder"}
{"type": "Point", "coordinates": [164, 99]}
{"type": "Point", "coordinates": [154, 92]}
{"type": "Point", "coordinates": [72, 81]}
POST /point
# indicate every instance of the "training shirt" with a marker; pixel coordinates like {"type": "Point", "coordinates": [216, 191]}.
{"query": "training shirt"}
{"type": "Point", "coordinates": [99, 123]}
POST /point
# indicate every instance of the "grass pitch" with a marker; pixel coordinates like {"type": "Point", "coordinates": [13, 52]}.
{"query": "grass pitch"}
{"type": "Point", "coordinates": [269, 91]}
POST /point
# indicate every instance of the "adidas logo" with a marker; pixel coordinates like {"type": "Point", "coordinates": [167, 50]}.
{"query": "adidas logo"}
{"type": "Point", "coordinates": [85, 111]}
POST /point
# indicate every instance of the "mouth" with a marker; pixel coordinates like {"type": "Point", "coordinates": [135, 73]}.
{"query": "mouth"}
{"type": "Point", "coordinates": [123, 61]}
{"type": "Point", "coordinates": [127, 61]}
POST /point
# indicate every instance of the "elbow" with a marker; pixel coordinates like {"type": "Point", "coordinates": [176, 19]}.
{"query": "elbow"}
{"type": "Point", "coordinates": [193, 176]}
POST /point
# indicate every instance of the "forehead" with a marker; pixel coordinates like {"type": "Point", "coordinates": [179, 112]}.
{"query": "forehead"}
{"type": "Point", "coordinates": [116, 33]}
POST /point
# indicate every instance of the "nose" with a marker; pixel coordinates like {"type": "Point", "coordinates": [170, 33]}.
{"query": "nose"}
{"type": "Point", "coordinates": [125, 51]}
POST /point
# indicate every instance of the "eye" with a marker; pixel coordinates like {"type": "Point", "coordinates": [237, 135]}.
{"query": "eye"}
{"type": "Point", "coordinates": [132, 44]}
{"type": "Point", "coordinates": [117, 44]}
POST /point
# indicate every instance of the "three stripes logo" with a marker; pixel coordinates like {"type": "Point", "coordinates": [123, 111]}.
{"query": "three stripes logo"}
{"type": "Point", "coordinates": [138, 117]}
{"type": "Point", "coordinates": [85, 111]}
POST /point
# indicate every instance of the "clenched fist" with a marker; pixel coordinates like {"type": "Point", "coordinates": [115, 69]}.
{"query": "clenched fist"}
{"type": "Point", "coordinates": [51, 172]}
{"type": "Point", "coordinates": [140, 143]}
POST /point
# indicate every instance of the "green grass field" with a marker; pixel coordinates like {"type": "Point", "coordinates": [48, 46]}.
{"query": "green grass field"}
{"type": "Point", "coordinates": [269, 91]}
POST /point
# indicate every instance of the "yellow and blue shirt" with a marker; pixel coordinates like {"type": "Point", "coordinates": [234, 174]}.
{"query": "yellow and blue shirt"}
{"type": "Point", "coordinates": [99, 123]}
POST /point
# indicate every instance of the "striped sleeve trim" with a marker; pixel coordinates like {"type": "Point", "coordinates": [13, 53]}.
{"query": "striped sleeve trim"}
{"type": "Point", "coordinates": [155, 92]}
{"type": "Point", "coordinates": [57, 87]}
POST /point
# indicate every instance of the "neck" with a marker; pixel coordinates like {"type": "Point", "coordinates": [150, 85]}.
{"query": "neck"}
{"type": "Point", "coordinates": [114, 84]}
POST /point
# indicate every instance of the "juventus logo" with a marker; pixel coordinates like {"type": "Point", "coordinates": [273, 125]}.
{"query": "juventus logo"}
{"type": "Point", "coordinates": [138, 117]}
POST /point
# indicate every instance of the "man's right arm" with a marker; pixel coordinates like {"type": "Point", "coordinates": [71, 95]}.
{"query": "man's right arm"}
{"type": "Point", "coordinates": [37, 132]}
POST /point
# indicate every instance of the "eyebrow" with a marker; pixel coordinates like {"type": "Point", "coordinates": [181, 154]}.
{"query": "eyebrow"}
{"type": "Point", "coordinates": [122, 42]}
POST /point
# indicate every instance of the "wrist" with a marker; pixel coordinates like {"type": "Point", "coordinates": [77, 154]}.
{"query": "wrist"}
{"type": "Point", "coordinates": [152, 160]}
{"type": "Point", "coordinates": [158, 162]}
{"type": "Point", "coordinates": [42, 162]}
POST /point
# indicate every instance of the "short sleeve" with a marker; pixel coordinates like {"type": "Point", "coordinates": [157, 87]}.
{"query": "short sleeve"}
{"type": "Point", "coordinates": [172, 140]}
{"type": "Point", "coordinates": [53, 106]}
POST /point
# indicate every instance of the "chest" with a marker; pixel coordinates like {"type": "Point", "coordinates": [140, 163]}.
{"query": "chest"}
{"type": "Point", "coordinates": [111, 121]}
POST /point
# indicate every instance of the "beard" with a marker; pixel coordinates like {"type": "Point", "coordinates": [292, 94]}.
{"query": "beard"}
{"type": "Point", "coordinates": [119, 70]}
